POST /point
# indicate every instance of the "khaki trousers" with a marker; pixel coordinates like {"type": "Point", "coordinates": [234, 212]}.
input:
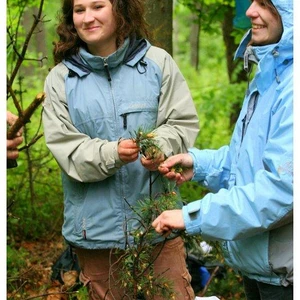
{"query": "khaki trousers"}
{"type": "Point", "coordinates": [99, 271]}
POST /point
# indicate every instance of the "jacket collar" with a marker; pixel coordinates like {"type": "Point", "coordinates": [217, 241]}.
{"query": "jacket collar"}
{"type": "Point", "coordinates": [129, 53]}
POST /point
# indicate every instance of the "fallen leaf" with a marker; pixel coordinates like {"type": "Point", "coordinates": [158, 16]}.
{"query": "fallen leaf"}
{"type": "Point", "coordinates": [70, 278]}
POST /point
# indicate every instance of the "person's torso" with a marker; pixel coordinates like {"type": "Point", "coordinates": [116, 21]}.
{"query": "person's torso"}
{"type": "Point", "coordinates": [109, 104]}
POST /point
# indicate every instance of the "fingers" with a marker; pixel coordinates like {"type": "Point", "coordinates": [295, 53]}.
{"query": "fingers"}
{"type": "Point", "coordinates": [160, 227]}
{"type": "Point", "coordinates": [12, 154]}
{"type": "Point", "coordinates": [11, 145]}
{"type": "Point", "coordinates": [152, 164]}
{"type": "Point", "coordinates": [172, 161]}
{"type": "Point", "coordinates": [185, 160]}
{"type": "Point", "coordinates": [168, 220]}
{"type": "Point", "coordinates": [14, 143]}
{"type": "Point", "coordinates": [128, 150]}
{"type": "Point", "coordinates": [10, 118]}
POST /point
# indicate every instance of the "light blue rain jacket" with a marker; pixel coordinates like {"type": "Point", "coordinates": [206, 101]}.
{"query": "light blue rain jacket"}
{"type": "Point", "coordinates": [252, 209]}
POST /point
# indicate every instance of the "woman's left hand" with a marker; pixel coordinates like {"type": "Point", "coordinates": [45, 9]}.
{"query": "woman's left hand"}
{"type": "Point", "coordinates": [152, 163]}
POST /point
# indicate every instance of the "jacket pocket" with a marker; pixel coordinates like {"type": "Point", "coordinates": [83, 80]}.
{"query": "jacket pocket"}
{"type": "Point", "coordinates": [142, 114]}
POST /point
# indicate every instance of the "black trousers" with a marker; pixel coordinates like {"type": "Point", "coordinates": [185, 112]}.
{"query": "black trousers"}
{"type": "Point", "coordinates": [256, 290]}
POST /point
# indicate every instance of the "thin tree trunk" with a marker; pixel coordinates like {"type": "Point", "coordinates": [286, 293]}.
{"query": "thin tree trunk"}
{"type": "Point", "coordinates": [235, 70]}
{"type": "Point", "coordinates": [159, 15]}
{"type": "Point", "coordinates": [195, 41]}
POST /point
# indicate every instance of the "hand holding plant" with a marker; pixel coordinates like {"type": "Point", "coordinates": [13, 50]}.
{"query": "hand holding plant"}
{"type": "Point", "coordinates": [152, 155]}
{"type": "Point", "coordinates": [128, 150]}
{"type": "Point", "coordinates": [178, 168]}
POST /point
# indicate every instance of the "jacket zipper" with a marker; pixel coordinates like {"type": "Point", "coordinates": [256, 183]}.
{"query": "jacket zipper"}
{"type": "Point", "coordinates": [124, 125]}
{"type": "Point", "coordinates": [107, 70]}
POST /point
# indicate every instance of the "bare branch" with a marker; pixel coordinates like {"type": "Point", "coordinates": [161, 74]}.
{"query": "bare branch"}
{"type": "Point", "coordinates": [25, 117]}
{"type": "Point", "coordinates": [32, 142]}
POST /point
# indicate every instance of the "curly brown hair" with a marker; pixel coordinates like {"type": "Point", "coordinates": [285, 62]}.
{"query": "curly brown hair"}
{"type": "Point", "coordinates": [130, 20]}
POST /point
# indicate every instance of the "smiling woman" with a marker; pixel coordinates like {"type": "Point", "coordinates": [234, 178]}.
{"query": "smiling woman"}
{"type": "Point", "coordinates": [108, 82]}
{"type": "Point", "coordinates": [96, 26]}
{"type": "Point", "coordinates": [267, 26]}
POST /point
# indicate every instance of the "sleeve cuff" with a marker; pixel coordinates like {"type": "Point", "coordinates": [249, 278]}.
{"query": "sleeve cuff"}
{"type": "Point", "coordinates": [113, 160]}
{"type": "Point", "coordinates": [191, 217]}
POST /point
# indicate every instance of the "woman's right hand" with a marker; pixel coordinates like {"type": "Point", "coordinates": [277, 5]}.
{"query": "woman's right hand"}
{"type": "Point", "coordinates": [178, 168]}
{"type": "Point", "coordinates": [128, 151]}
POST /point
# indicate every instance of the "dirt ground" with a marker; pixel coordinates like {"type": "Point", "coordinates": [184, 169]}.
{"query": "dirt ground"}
{"type": "Point", "coordinates": [34, 280]}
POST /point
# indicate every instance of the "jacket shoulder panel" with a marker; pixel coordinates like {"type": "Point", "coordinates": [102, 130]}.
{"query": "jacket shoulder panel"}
{"type": "Point", "coordinates": [158, 55]}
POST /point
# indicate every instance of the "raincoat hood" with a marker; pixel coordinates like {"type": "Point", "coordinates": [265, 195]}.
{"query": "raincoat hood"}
{"type": "Point", "coordinates": [285, 10]}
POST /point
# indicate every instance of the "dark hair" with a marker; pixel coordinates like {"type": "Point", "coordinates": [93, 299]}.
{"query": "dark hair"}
{"type": "Point", "coordinates": [130, 20]}
{"type": "Point", "coordinates": [269, 4]}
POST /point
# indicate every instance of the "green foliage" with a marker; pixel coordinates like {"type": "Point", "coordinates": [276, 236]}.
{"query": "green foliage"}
{"type": "Point", "coordinates": [16, 260]}
{"type": "Point", "coordinates": [81, 294]}
{"type": "Point", "coordinates": [209, 12]}
{"type": "Point", "coordinates": [34, 196]}
{"type": "Point", "coordinates": [136, 266]}
{"type": "Point", "coordinates": [230, 287]}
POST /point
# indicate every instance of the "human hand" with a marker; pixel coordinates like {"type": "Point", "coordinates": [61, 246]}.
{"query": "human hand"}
{"type": "Point", "coordinates": [12, 144]}
{"type": "Point", "coordinates": [151, 160]}
{"type": "Point", "coordinates": [167, 221]}
{"type": "Point", "coordinates": [178, 168]}
{"type": "Point", "coordinates": [128, 150]}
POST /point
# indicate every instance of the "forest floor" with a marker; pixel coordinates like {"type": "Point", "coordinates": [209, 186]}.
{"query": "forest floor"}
{"type": "Point", "coordinates": [34, 278]}
{"type": "Point", "coordinates": [33, 270]}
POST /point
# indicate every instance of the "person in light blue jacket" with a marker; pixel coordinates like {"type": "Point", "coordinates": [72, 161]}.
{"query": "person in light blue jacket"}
{"type": "Point", "coordinates": [250, 208]}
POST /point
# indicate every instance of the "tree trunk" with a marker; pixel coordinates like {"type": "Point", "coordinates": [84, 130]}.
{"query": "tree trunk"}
{"type": "Point", "coordinates": [231, 46]}
{"type": "Point", "coordinates": [194, 41]}
{"type": "Point", "coordinates": [159, 15]}
{"type": "Point", "coordinates": [235, 69]}
{"type": "Point", "coordinates": [37, 43]}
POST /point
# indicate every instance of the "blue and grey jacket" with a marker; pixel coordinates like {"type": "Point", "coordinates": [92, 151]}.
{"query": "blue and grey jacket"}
{"type": "Point", "coordinates": [91, 103]}
{"type": "Point", "coordinates": [251, 209]}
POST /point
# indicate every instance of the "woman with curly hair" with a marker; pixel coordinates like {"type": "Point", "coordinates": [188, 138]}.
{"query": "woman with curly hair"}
{"type": "Point", "coordinates": [108, 82]}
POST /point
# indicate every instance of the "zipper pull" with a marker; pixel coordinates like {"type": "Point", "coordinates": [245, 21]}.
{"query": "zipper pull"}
{"type": "Point", "coordinates": [124, 120]}
{"type": "Point", "coordinates": [107, 70]}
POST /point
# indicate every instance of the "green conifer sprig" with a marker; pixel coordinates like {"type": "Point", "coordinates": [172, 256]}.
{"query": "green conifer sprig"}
{"type": "Point", "coordinates": [145, 139]}
{"type": "Point", "coordinates": [136, 268]}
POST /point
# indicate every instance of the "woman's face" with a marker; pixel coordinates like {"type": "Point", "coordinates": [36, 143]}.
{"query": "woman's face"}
{"type": "Point", "coordinates": [266, 27]}
{"type": "Point", "coordinates": [95, 25]}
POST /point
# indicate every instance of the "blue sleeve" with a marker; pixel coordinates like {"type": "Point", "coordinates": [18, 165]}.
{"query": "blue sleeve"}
{"type": "Point", "coordinates": [211, 167]}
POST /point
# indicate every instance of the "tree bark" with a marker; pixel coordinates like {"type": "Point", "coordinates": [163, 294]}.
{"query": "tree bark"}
{"type": "Point", "coordinates": [195, 40]}
{"type": "Point", "coordinates": [159, 15]}
{"type": "Point", "coordinates": [231, 46]}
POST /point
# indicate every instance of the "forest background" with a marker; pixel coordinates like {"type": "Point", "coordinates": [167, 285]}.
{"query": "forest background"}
{"type": "Point", "coordinates": [202, 37]}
